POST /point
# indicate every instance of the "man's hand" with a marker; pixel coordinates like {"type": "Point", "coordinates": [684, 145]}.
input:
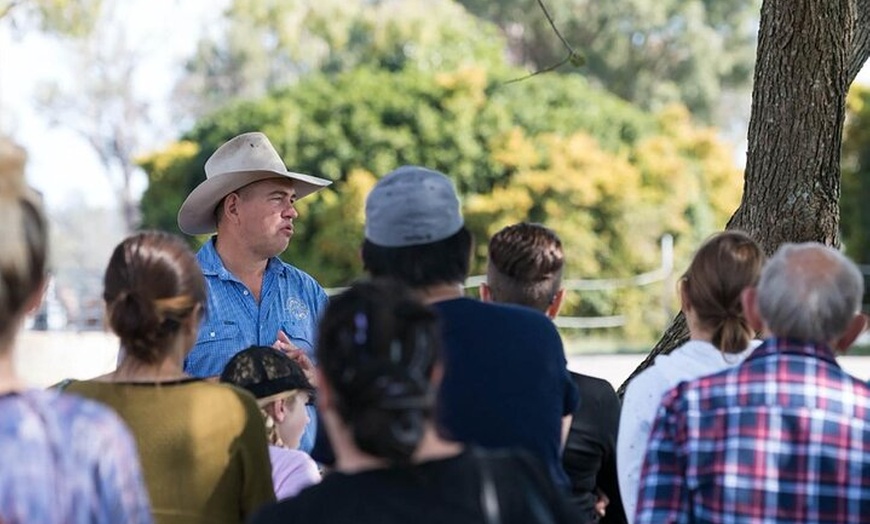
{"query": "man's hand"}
{"type": "Point", "coordinates": [286, 346]}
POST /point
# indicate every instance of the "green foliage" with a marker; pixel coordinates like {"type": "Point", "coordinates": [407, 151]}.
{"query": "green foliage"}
{"type": "Point", "coordinates": [169, 184]}
{"type": "Point", "coordinates": [270, 44]}
{"type": "Point", "coordinates": [650, 52]}
{"type": "Point", "coordinates": [610, 209]}
{"type": "Point", "coordinates": [67, 18]}
{"type": "Point", "coordinates": [855, 170]}
{"type": "Point", "coordinates": [610, 179]}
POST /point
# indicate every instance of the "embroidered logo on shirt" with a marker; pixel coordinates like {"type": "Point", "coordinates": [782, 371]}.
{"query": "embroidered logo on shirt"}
{"type": "Point", "coordinates": [297, 309]}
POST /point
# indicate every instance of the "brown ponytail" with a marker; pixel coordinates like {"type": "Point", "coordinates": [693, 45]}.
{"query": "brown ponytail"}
{"type": "Point", "coordinates": [723, 266]}
{"type": "Point", "coordinates": [152, 284]}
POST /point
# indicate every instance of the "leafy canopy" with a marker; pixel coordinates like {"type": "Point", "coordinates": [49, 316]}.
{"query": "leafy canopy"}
{"type": "Point", "coordinates": [609, 178]}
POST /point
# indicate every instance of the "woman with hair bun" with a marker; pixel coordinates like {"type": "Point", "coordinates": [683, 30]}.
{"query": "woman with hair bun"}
{"type": "Point", "coordinates": [63, 459]}
{"type": "Point", "coordinates": [378, 352]}
{"type": "Point", "coordinates": [203, 445]}
{"type": "Point", "coordinates": [719, 337]}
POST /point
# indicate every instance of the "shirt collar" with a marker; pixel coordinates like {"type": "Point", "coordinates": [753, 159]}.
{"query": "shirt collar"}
{"type": "Point", "coordinates": [791, 346]}
{"type": "Point", "coordinates": [212, 265]}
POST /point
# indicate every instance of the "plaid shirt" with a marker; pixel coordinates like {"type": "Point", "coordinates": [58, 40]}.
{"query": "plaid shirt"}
{"type": "Point", "coordinates": [784, 437]}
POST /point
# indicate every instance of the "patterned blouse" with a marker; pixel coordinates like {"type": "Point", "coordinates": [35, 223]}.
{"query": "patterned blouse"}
{"type": "Point", "coordinates": [67, 460]}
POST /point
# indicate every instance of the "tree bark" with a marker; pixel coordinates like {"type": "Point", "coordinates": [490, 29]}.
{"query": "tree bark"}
{"type": "Point", "coordinates": [806, 59]}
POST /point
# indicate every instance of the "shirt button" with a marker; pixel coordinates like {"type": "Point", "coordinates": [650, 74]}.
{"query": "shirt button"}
{"type": "Point", "coordinates": [245, 292]}
{"type": "Point", "coordinates": [211, 334]}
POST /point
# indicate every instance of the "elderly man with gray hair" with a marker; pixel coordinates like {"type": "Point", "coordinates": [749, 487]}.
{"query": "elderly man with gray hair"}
{"type": "Point", "coordinates": [784, 437]}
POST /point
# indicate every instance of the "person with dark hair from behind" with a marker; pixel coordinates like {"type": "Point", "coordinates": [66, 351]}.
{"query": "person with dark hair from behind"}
{"type": "Point", "coordinates": [63, 459]}
{"type": "Point", "coordinates": [506, 381]}
{"type": "Point", "coordinates": [783, 437]}
{"type": "Point", "coordinates": [282, 391]}
{"type": "Point", "coordinates": [525, 267]}
{"type": "Point", "coordinates": [203, 445]}
{"type": "Point", "coordinates": [378, 351]}
{"type": "Point", "coordinates": [719, 337]}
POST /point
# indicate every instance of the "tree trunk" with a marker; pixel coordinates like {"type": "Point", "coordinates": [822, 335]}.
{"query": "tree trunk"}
{"type": "Point", "coordinates": [806, 59]}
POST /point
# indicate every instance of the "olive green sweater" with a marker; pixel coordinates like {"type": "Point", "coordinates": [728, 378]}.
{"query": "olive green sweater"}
{"type": "Point", "coordinates": [202, 447]}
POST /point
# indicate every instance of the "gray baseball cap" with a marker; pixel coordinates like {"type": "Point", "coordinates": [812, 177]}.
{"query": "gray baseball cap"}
{"type": "Point", "coordinates": [411, 206]}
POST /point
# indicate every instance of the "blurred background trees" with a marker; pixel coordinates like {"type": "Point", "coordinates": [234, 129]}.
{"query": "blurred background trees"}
{"type": "Point", "coordinates": [353, 93]}
{"type": "Point", "coordinates": [643, 140]}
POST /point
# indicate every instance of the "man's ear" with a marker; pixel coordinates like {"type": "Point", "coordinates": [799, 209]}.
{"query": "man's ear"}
{"type": "Point", "coordinates": [230, 206]}
{"type": "Point", "coordinates": [485, 292]}
{"type": "Point", "coordinates": [749, 301]}
{"type": "Point", "coordinates": [556, 304]}
{"type": "Point", "coordinates": [853, 331]}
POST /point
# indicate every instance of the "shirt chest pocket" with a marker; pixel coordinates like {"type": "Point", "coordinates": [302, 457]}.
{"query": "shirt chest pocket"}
{"type": "Point", "coordinates": [224, 333]}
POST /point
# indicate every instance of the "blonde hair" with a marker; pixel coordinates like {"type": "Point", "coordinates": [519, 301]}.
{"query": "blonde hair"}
{"type": "Point", "coordinates": [23, 239]}
{"type": "Point", "coordinates": [271, 428]}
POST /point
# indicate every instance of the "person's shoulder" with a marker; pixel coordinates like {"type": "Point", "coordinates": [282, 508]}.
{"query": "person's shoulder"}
{"type": "Point", "coordinates": [594, 387]}
{"type": "Point", "coordinates": [313, 505]}
{"type": "Point", "coordinates": [91, 389]}
{"type": "Point", "coordinates": [648, 383]}
{"type": "Point", "coordinates": [514, 316]}
{"type": "Point", "coordinates": [592, 383]}
{"type": "Point", "coordinates": [282, 511]}
{"type": "Point", "coordinates": [693, 393]}
{"type": "Point", "coordinates": [292, 272]}
{"type": "Point", "coordinates": [72, 410]}
{"type": "Point", "coordinates": [223, 390]}
{"type": "Point", "coordinates": [290, 458]}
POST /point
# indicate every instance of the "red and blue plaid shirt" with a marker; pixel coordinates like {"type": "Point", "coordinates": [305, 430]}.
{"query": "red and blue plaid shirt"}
{"type": "Point", "coordinates": [784, 437]}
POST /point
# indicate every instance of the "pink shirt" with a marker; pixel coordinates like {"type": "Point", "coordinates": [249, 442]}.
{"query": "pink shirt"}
{"type": "Point", "coordinates": [292, 471]}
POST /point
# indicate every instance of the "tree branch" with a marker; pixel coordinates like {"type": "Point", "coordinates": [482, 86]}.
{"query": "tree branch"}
{"type": "Point", "coordinates": [860, 40]}
{"type": "Point", "coordinates": [573, 56]}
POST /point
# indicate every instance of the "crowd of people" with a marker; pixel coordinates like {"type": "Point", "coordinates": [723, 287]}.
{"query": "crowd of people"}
{"type": "Point", "coordinates": [243, 393]}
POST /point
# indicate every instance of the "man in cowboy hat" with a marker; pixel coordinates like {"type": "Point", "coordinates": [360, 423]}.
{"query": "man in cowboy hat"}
{"type": "Point", "coordinates": [249, 198]}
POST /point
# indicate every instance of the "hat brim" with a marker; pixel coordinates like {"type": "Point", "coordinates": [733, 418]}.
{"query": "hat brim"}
{"type": "Point", "coordinates": [196, 214]}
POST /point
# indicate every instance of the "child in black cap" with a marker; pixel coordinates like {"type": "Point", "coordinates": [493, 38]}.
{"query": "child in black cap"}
{"type": "Point", "coordinates": [282, 391]}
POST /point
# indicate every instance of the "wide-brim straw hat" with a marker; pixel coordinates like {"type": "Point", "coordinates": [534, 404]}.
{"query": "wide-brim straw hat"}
{"type": "Point", "coordinates": [245, 159]}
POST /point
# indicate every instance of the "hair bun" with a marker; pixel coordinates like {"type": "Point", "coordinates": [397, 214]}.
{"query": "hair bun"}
{"type": "Point", "coordinates": [388, 418]}
{"type": "Point", "coordinates": [132, 316]}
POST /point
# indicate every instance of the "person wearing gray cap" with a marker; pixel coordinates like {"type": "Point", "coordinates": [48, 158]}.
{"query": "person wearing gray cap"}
{"type": "Point", "coordinates": [505, 383]}
{"type": "Point", "coordinates": [254, 298]}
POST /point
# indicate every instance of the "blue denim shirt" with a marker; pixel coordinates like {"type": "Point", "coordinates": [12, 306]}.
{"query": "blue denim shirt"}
{"type": "Point", "coordinates": [290, 300]}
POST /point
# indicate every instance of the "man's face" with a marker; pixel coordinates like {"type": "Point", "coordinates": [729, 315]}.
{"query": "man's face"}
{"type": "Point", "coordinates": [266, 212]}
